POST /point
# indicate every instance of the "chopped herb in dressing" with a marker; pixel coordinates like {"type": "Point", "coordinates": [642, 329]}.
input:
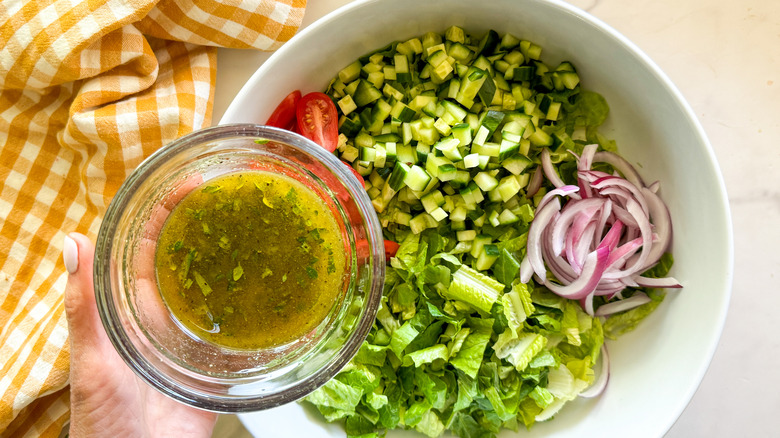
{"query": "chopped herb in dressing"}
{"type": "Point", "coordinates": [250, 260]}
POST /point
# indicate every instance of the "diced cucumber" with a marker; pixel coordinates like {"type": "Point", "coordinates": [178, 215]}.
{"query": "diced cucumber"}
{"type": "Point", "coordinates": [400, 171]}
{"type": "Point", "coordinates": [405, 153]}
{"type": "Point", "coordinates": [421, 222]}
{"type": "Point", "coordinates": [380, 156]}
{"type": "Point", "coordinates": [485, 181]}
{"type": "Point", "coordinates": [449, 147]}
{"type": "Point", "coordinates": [417, 178]}
{"type": "Point", "coordinates": [455, 34]}
{"type": "Point", "coordinates": [482, 135]}
{"type": "Point", "coordinates": [507, 217]}
{"type": "Point", "coordinates": [422, 150]}
{"type": "Point", "coordinates": [508, 186]}
{"type": "Point", "coordinates": [432, 201]}
{"type": "Point", "coordinates": [446, 128]}
{"type": "Point", "coordinates": [401, 64]}
{"type": "Point", "coordinates": [488, 149]}
{"type": "Point", "coordinates": [350, 126]}
{"type": "Point", "coordinates": [470, 85]}
{"type": "Point", "coordinates": [350, 72]}
{"type": "Point", "coordinates": [488, 43]}
{"type": "Point", "coordinates": [471, 160]}
{"type": "Point", "coordinates": [367, 154]}
{"type": "Point", "coordinates": [391, 92]}
{"type": "Point", "coordinates": [491, 120]}
{"type": "Point", "coordinates": [487, 91]}
{"type": "Point", "coordinates": [478, 243]}
{"type": "Point", "coordinates": [347, 105]}
{"type": "Point", "coordinates": [462, 132]}
{"type": "Point", "coordinates": [390, 149]}
{"type": "Point", "coordinates": [541, 138]}
{"type": "Point", "coordinates": [350, 154]}
{"type": "Point", "coordinates": [402, 112]}
{"type": "Point", "coordinates": [365, 93]}
{"type": "Point", "coordinates": [516, 164]}
{"type": "Point", "coordinates": [466, 235]}
{"type": "Point", "coordinates": [507, 149]}
{"type": "Point", "coordinates": [438, 214]}
{"type": "Point", "coordinates": [487, 257]}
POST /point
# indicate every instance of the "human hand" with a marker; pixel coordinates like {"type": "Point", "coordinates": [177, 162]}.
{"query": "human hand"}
{"type": "Point", "coordinates": [107, 398]}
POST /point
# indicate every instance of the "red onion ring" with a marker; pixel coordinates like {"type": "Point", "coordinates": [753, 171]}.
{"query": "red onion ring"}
{"type": "Point", "coordinates": [535, 183]}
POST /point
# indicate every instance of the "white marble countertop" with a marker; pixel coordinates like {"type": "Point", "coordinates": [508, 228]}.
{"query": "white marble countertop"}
{"type": "Point", "coordinates": [724, 56]}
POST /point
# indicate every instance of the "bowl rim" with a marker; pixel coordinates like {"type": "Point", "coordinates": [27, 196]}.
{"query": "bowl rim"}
{"type": "Point", "coordinates": [232, 113]}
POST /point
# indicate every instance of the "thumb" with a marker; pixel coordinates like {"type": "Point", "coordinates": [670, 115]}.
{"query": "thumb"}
{"type": "Point", "coordinates": [84, 323]}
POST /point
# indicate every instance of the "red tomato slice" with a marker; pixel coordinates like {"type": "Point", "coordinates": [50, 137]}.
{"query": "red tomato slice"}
{"type": "Point", "coordinates": [284, 114]}
{"type": "Point", "coordinates": [318, 120]}
{"type": "Point", "coordinates": [390, 249]}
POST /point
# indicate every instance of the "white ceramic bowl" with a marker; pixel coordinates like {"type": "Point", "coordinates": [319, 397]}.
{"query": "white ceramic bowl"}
{"type": "Point", "coordinates": [656, 368]}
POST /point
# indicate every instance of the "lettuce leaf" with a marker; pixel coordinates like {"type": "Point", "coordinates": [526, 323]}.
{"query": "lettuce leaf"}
{"type": "Point", "coordinates": [474, 288]}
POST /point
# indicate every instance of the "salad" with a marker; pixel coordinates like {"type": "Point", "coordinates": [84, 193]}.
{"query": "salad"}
{"type": "Point", "coordinates": [517, 239]}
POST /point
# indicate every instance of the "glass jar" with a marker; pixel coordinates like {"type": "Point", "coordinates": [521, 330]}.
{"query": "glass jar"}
{"type": "Point", "coordinates": [170, 358]}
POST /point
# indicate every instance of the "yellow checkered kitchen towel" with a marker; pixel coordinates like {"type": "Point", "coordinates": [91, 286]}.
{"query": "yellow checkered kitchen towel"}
{"type": "Point", "coordinates": [88, 88]}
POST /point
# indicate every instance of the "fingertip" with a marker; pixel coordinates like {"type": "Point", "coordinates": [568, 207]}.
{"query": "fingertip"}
{"type": "Point", "coordinates": [70, 255]}
{"type": "Point", "coordinates": [78, 253]}
{"type": "Point", "coordinates": [85, 246]}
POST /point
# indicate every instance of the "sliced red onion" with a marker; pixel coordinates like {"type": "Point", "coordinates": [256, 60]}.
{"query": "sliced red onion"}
{"type": "Point", "coordinates": [570, 191]}
{"type": "Point", "coordinates": [587, 303]}
{"type": "Point", "coordinates": [588, 280]}
{"type": "Point", "coordinates": [591, 175]}
{"type": "Point", "coordinates": [657, 283]}
{"type": "Point", "coordinates": [526, 271]}
{"type": "Point", "coordinates": [662, 223]}
{"type": "Point", "coordinates": [535, 183]}
{"type": "Point", "coordinates": [606, 217]}
{"type": "Point", "coordinates": [622, 214]}
{"type": "Point", "coordinates": [610, 230]}
{"type": "Point", "coordinates": [647, 237]}
{"type": "Point", "coordinates": [629, 303]}
{"type": "Point", "coordinates": [584, 163]}
{"type": "Point", "coordinates": [600, 383]}
{"type": "Point", "coordinates": [583, 245]}
{"type": "Point", "coordinates": [542, 218]}
{"type": "Point", "coordinates": [619, 187]}
{"type": "Point", "coordinates": [549, 170]}
{"type": "Point", "coordinates": [560, 268]}
{"type": "Point", "coordinates": [612, 238]}
{"type": "Point", "coordinates": [609, 288]}
{"type": "Point", "coordinates": [628, 281]}
{"type": "Point", "coordinates": [654, 186]}
{"type": "Point", "coordinates": [575, 215]}
{"type": "Point", "coordinates": [621, 165]}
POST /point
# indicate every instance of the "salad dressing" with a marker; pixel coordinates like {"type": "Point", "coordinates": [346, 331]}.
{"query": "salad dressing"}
{"type": "Point", "coordinates": [250, 260]}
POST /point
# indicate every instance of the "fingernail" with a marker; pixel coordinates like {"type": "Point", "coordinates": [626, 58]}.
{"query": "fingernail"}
{"type": "Point", "coordinates": [70, 255]}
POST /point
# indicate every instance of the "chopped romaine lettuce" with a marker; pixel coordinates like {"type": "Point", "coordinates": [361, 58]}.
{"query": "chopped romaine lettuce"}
{"type": "Point", "coordinates": [456, 349]}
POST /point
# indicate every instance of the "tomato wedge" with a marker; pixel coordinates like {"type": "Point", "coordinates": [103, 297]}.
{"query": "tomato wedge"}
{"type": "Point", "coordinates": [390, 249]}
{"type": "Point", "coordinates": [318, 120]}
{"type": "Point", "coordinates": [284, 114]}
